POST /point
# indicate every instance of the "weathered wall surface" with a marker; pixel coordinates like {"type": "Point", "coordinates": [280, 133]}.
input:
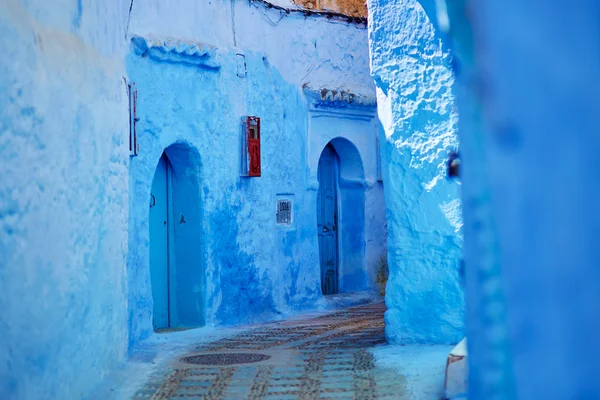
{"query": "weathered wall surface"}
{"type": "Point", "coordinates": [63, 196]}
{"type": "Point", "coordinates": [245, 253]}
{"type": "Point", "coordinates": [415, 105]}
{"type": "Point", "coordinates": [316, 52]}
{"type": "Point", "coordinates": [74, 279]}
{"type": "Point", "coordinates": [530, 145]}
{"type": "Point", "coordinates": [355, 8]}
{"type": "Point", "coordinates": [253, 268]}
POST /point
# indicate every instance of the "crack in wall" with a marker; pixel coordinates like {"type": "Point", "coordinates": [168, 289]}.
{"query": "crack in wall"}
{"type": "Point", "coordinates": [128, 19]}
{"type": "Point", "coordinates": [331, 15]}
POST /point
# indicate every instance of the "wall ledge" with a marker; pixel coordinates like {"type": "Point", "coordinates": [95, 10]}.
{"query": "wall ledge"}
{"type": "Point", "coordinates": [334, 98]}
{"type": "Point", "coordinates": [176, 51]}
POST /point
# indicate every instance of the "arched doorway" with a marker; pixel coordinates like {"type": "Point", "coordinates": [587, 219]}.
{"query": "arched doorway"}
{"type": "Point", "coordinates": [341, 218]}
{"type": "Point", "coordinates": [327, 217]}
{"type": "Point", "coordinates": [176, 270]}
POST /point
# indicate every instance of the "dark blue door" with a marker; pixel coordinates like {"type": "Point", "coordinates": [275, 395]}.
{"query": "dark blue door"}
{"type": "Point", "coordinates": [159, 243]}
{"type": "Point", "coordinates": [327, 219]}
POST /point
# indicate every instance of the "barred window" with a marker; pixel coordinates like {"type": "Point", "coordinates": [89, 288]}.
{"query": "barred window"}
{"type": "Point", "coordinates": [284, 212]}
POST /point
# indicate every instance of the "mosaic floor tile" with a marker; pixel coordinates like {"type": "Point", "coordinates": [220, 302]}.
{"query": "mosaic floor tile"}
{"type": "Point", "coordinates": [328, 359]}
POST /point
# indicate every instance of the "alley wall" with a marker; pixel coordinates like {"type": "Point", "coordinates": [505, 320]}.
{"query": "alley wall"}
{"type": "Point", "coordinates": [63, 196]}
{"type": "Point", "coordinates": [295, 71]}
{"type": "Point", "coordinates": [412, 70]}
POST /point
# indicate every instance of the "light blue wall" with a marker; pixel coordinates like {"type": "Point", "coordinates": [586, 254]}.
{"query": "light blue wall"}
{"type": "Point", "coordinates": [253, 269]}
{"type": "Point", "coordinates": [530, 144]}
{"type": "Point", "coordinates": [63, 196]}
{"type": "Point", "coordinates": [414, 81]}
{"type": "Point", "coordinates": [74, 273]}
{"type": "Point", "coordinates": [241, 244]}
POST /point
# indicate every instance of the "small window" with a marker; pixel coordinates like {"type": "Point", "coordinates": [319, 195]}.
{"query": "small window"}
{"type": "Point", "coordinates": [284, 212]}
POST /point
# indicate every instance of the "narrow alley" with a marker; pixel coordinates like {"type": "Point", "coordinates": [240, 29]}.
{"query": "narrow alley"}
{"type": "Point", "coordinates": [318, 357]}
{"type": "Point", "coordinates": [212, 199]}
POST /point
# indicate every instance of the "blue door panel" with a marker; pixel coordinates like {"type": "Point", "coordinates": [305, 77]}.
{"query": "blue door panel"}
{"type": "Point", "coordinates": [327, 220]}
{"type": "Point", "coordinates": [159, 249]}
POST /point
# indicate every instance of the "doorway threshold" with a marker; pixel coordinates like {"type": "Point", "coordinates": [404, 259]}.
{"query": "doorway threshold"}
{"type": "Point", "coordinates": [351, 299]}
{"type": "Point", "coordinates": [175, 329]}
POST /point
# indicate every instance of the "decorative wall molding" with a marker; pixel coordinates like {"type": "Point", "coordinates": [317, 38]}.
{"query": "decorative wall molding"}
{"type": "Point", "coordinates": [325, 98]}
{"type": "Point", "coordinates": [340, 103]}
{"type": "Point", "coordinates": [177, 51]}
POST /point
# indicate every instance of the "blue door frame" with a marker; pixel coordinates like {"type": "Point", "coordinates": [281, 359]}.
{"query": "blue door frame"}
{"type": "Point", "coordinates": [327, 217]}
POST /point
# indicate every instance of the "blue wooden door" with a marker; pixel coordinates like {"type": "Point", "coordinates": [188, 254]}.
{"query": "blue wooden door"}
{"type": "Point", "coordinates": [159, 244]}
{"type": "Point", "coordinates": [327, 220]}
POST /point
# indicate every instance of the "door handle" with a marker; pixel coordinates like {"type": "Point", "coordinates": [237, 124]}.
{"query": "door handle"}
{"type": "Point", "coordinates": [325, 229]}
{"type": "Point", "coordinates": [333, 228]}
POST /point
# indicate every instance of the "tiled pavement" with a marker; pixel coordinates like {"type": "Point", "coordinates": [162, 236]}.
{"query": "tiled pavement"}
{"type": "Point", "coordinates": [325, 357]}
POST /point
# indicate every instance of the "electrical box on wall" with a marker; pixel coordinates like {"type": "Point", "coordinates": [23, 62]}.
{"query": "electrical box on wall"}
{"type": "Point", "coordinates": [250, 147]}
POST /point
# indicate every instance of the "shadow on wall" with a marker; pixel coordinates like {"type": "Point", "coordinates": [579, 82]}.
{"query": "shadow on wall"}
{"type": "Point", "coordinates": [245, 294]}
{"type": "Point", "coordinates": [175, 215]}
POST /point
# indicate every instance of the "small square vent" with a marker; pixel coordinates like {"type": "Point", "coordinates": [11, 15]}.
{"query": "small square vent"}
{"type": "Point", "coordinates": [284, 212]}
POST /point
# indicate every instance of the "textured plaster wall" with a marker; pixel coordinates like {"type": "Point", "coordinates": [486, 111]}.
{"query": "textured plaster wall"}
{"type": "Point", "coordinates": [74, 278]}
{"type": "Point", "coordinates": [253, 268]}
{"type": "Point", "coordinates": [241, 242]}
{"type": "Point", "coordinates": [415, 105]}
{"type": "Point", "coordinates": [307, 51]}
{"type": "Point", "coordinates": [63, 196]}
{"type": "Point", "coordinates": [529, 119]}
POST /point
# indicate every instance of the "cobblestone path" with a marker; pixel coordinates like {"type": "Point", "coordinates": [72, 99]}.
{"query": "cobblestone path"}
{"type": "Point", "coordinates": [325, 357]}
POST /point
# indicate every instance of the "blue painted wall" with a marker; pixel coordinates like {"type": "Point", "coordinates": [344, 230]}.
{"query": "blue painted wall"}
{"type": "Point", "coordinates": [414, 81]}
{"type": "Point", "coordinates": [529, 137]}
{"type": "Point", "coordinates": [254, 269]}
{"type": "Point", "coordinates": [74, 258]}
{"type": "Point", "coordinates": [179, 103]}
{"type": "Point", "coordinates": [63, 196]}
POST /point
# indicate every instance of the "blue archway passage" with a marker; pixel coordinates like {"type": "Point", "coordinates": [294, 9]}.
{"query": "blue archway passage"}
{"type": "Point", "coordinates": [159, 243]}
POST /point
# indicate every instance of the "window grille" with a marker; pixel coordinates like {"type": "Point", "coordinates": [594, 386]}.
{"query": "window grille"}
{"type": "Point", "coordinates": [284, 212]}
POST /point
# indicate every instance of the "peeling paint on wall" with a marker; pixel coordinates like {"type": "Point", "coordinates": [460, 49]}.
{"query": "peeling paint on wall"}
{"type": "Point", "coordinates": [354, 8]}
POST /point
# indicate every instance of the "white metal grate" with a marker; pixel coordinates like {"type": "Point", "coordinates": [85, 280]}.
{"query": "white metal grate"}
{"type": "Point", "coordinates": [284, 212]}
